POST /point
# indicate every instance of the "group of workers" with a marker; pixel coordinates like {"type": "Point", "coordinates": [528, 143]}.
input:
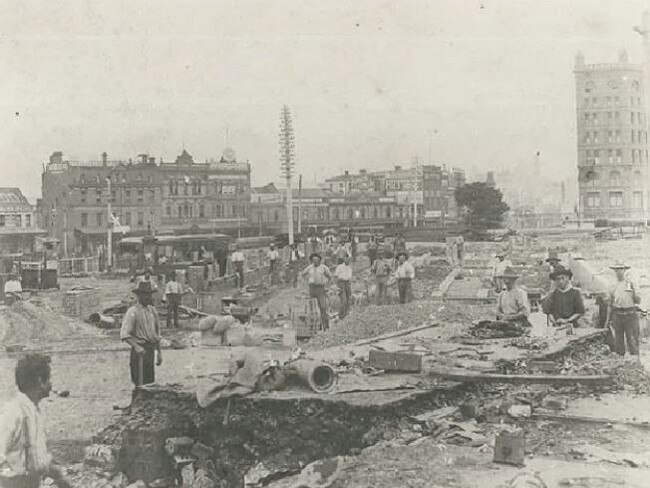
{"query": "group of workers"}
{"type": "Point", "coordinates": [563, 303]}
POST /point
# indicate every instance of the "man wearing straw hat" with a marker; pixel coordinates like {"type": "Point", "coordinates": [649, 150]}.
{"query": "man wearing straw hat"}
{"type": "Point", "coordinates": [513, 303]}
{"type": "Point", "coordinates": [141, 331]}
{"type": "Point", "coordinates": [622, 313]}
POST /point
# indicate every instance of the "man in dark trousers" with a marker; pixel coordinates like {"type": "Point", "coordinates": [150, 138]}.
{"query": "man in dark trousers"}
{"type": "Point", "coordinates": [622, 312]}
{"type": "Point", "coordinates": [319, 276]}
{"type": "Point", "coordinates": [141, 331]}
{"type": "Point", "coordinates": [564, 304]}
{"type": "Point", "coordinates": [173, 295]}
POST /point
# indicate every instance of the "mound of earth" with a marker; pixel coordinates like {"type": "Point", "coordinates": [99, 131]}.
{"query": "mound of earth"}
{"type": "Point", "coordinates": [35, 322]}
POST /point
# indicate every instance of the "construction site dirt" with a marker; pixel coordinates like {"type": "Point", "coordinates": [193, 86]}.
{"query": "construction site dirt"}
{"type": "Point", "coordinates": [376, 428]}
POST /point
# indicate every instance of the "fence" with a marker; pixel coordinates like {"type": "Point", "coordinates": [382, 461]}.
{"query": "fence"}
{"type": "Point", "coordinates": [78, 266]}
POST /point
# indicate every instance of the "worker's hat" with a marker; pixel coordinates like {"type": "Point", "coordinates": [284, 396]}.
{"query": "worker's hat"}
{"type": "Point", "coordinates": [315, 255]}
{"type": "Point", "coordinates": [143, 287]}
{"type": "Point", "coordinates": [401, 253]}
{"type": "Point", "coordinates": [620, 265]}
{"type": "Point", "coordinates": [559, 271]}
{"type": "Point", "coordinates": [552, 257]}
{"type": "Point", "coordinates": [501, 254]}
{"type": "Point", "coordinates": [510, 272]}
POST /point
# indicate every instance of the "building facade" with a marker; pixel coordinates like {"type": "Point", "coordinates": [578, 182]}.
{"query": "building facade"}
{"type": "Point", "coordinates": [324, 208]}
{"type": "Point", "coordinates": [145, 196]}
{"type": "Point", "coordinates": [612, 139]}
{"type": "Point", "coordinates": [429, 190]}
{"type": "Point", "coordinates": [18, 227]}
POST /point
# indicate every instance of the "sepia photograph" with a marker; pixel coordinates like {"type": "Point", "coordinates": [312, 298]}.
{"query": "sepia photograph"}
{"type": "Point", "coordinates": [324, 244]}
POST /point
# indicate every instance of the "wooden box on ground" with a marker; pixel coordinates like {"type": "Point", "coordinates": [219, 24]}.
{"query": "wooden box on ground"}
{"type": "Point", "coordinates": [509, 448]}
{"type": "Point", "coordinates": [81, 303]}
{"type": "Point", "coordinates": [404, 362]}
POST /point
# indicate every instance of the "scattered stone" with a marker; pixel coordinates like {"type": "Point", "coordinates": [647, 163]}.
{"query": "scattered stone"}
{"type": "Point", "coordinates": [119, 480]}
{"type": "Point", "coordinates": [520, 411]}
{"type": "Point", "coordinates": [167, 482]}
{"type": "Point", "coordinates": [470, 409]}
{"type": "Point", "coordinates": [201, 451]}
{"type": "Point", "coordinates": [137, 484]}
{"type": "Point", "coordinates": [101, 456]}
{"type": "Point", "coordinates": [555, 402]}
{"type": "Point", "coordinates": [178, 445]}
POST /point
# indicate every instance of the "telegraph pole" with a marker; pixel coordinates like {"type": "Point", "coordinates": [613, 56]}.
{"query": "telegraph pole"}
{"type": "Point", "coordinates": [109, 227]}
{"type": "Point", "coordinates": [299, 204]}
{"type": "Point", "coordinates": [287, 160]}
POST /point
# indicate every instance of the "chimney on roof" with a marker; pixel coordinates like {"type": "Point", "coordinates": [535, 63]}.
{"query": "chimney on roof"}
{"type": "Point", "coordinates": [152, 160]}
{"type": "Point", "coordinates": [347, 173]}
{"type": "Point", "coordinates": [398, 168]}
{"type": "Point", "coordinates": [143, 158]}
{"type": "Point", "coordinates": [104, 158]}
{"type": "Point", "coordinates": [56, 157]}
{"type": "Point", "coordinates": [130, 161]}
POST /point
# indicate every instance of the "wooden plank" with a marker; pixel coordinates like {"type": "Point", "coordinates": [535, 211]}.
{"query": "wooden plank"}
{"type": "Point", "coordinates": [473, 377]}
{"type": "Point", "coordinates": [392, 335]}
{"type": "Point", "coordinates": [563, 417]}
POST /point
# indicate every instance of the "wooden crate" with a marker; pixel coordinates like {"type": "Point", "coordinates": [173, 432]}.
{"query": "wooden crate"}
{"type": "Point", "coordinates": [81, 303]}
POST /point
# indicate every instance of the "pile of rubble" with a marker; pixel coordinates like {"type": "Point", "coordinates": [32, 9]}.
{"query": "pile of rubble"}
{"type": "Point", "coordinates": [35, 322]}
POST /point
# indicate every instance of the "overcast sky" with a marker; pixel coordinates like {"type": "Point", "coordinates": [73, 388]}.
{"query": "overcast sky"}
{"type": "Point", "coordinates": [367, 81]}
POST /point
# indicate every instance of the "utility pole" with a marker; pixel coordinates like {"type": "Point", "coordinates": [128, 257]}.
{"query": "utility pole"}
{"type": "Point", "coordinates": [287, 160]}
{"type": "Point", "coordinates": [109, 227]}
{"type": "Point", "coordinates": [299, 204]}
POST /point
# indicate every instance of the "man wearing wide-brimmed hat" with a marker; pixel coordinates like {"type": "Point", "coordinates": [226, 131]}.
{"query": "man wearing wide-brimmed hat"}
{"type": "Point", "coordinates": [319, 277]}
{"type": "Point", "coordinates": [513, 303]}
{"type": "Point", "coordinates": [564, 305]}
{"type": "Point", "coordinates": [141, 331]}
{"type": "Point", "coordinates": [622, 312]}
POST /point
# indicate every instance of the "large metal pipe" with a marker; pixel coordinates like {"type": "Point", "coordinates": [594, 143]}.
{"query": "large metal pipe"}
{"type": "Point", "coordinates": [320, 377]}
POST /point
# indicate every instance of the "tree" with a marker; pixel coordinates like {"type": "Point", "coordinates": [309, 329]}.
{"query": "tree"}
{"type": "Point", "coordinates": [482, 205]}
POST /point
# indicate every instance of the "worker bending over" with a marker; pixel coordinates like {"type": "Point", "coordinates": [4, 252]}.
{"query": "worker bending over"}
{"type": "Point", "coordinates": [513, 301]}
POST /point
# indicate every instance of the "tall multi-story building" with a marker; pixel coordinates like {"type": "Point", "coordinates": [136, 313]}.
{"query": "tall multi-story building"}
{"type": "Point", "coordinates": [612, 140]}
{"type": "Point", "coordinates": [145, 196]}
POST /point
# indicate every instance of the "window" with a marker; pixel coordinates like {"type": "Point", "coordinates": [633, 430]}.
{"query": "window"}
{"type": "Point", "coordinates": [638, 100]}
{"type": "Point", "coordinates": [127, 195]}
{"type": "Point", "coordinates": [98, 195]}
{"type": "Point", "coordinates": [2, 221]}
{"type": "Point", "coordinates": [594, 101]}
{"type": "Point", "coordinates": [139, 176]}
{"type": "Point", "coordinates": [635, 86]}
{"type": "Point", "coordinates": [595, 137]}
{"type": "Point", "coordinates": [99, 219]}
{"type": "Point", "coordinates": [614, 177]}
{"type": "Point", "coordinates": [152, 196]}
{"type": "Point", "coordinates": [590, 156]}
{"type": "Point", "coordinates": [608, 101]}
{"type": "Point", "coordinates": [639, 117]}
{"type": "Point", "coordinates": [593, 199]}
{"type": "Point", "coordinates": [639, 138]}
{"type": "Point", "coordinates": [140, 218]}
{"type": "Point", "coordinates": [219, 211]}
{"type": "Point", "coordinates": [610, 115]}
{"type": "Point", "coordinates": [82, 178]}
{"type": "Point", "coordinates": [596, 156]}
{"type": "Point", "coordinates": [632, 135]}
{"type": "Point", "coordinates": [305, 214]}
{"type": "Point", "coordinates": [617, 115]}
{"type": "Point", "coordinates": [276, 215]}
{"type": "Point", "coordinates": [113, 194]}
{"type": "Point", "coordinates": [610, 156]}
{"type": "Point", "coordinates": [615, 198]}
{"type": "Point", "coordinates": [589, 86]}
{"type": "Point", "coordinates": [586, 101]}
{"type": "Point", "coordinates": [610, 136]}
{"type": "Point", "coordinates": [189, 210]}
{"type": "Point", "coordinates": [619, 155]}
{"type": "Point", "coordinates": [84, 220]}
{"type": "Point", "coordinates": [388, 212]}
{"type": "Point", "coordinates": [168, 211]}
{"type": "Point", "coordinates": [185, 188]}
{"type": "Point", "coordinates": [631, 100]}
{"type": "Point", "coordinates": [594, 118]}
{"type": "Point", "coordinates": [633, 156]}
{"type": "Point", "coordinates": [201, 210]}
{"type": "Point", "coordinates": [637, 199]}
{"type": "Point", "coordinates": [140, 196]}
{"type": "Point", "coordinates": [389, 184]}
{"type": "Point", "coordinates": [19, 220]}
{"type": "Point", "coordinates": [127, 218]}
{"type": "Point", "coordinates": [617, 101]}
{"type": "Point", "coordinates": [83, 196]}
{"type": "Point", "coordinates": [631, 117]}
{"type": "Point", "coordinates": [28, 220]}
{"type": "Point", "coordinates": [618, 136]}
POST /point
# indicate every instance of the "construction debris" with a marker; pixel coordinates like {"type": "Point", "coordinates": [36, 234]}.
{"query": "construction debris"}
{"type": "Point", "coordinates": [496, 329]}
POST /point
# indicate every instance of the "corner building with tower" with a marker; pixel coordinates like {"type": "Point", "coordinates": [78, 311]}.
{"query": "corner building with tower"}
{"type": "Point", "coordinates": [612, 139]}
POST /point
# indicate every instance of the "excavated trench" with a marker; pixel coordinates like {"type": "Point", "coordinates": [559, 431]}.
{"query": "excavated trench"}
{"type": "Point", "coordinates": [281, 434]}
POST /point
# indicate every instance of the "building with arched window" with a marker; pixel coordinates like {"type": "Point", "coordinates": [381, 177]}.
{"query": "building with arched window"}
{"type": "Point", "coordinates": [613, 166]}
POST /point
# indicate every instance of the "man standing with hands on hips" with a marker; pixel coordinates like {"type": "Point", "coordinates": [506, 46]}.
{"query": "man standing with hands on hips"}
{"type": "Point", "coordinates": [622, 313]}
{"type": "Point", "coordinates": [141, 331]}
